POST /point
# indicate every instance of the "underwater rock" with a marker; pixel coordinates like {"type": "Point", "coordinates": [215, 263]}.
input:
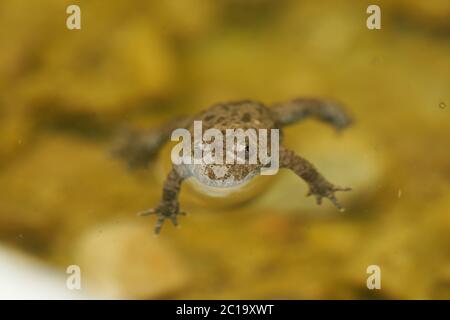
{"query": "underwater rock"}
{"type": "Point", "coordinates": [171, 15]}
{"type": "Point", "coordinates": [407, 246]}
{"type": "Point", "coordinates": [61, 186]}
{"type": "Point", "coordinates": [127, 261]}
{"type": "Point", "coordinates": [26, 278]}
{"type": "Point", "coordinates": [15, 134]}
{"type": "Point", "coordinates": [106, 67]}
{"type": "Point", "coordinates": [132, 65]}
{"type": "Point", "coordinates": [434, 14]}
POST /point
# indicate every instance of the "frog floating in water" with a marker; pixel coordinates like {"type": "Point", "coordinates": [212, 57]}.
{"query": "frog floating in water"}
{"type": "Point", "coordinates": [138, 149]}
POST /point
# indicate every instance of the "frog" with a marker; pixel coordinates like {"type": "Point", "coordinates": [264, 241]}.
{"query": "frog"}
{"type": "Point", "coordinates": [138, 148]}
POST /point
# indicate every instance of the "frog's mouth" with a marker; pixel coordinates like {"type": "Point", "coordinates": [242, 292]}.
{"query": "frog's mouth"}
{"type": "Point", "coordinates": [220, 180]}
{"type": "Point", "coordinates": [218, 188]}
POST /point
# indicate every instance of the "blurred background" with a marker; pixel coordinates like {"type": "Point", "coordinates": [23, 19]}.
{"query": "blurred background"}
{"type": "Point", "coordinates": [64, 94]}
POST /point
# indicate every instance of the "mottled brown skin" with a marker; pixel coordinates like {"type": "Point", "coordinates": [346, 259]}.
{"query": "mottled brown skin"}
{"type": "Point", "coordinates": [138, 149]}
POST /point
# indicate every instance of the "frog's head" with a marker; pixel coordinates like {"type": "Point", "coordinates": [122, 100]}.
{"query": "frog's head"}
{"type": "Point", "coordinates": [229, 164]}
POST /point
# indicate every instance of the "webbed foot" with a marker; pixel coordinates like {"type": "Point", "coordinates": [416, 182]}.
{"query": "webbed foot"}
{"type": "Point", "coordinates": [163, 212]}
{"type": "Point", "coordinates": [325, 189]}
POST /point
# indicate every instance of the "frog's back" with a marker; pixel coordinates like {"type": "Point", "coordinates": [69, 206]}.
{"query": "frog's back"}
{"type": "Point", "coordinates": [243, 114]}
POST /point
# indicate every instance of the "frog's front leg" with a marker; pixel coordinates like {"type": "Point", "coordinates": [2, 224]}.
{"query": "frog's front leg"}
{"type": "Point", "coordinates": [138, 148]}
{"type": "Point", "coordinates": [168, 207]}
{"type": "Point", "coordinates": [292, 111]}
{"type": "Point", "coordinates": [318, 185]}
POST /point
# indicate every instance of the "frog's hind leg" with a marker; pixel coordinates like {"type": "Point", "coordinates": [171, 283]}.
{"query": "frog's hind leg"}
{"type": "Point", "coordinates": [138, 148]}
{"type": "Point", "coordinates": [319, 187]}
{"type": "Point", "coordinates": [292, 111]}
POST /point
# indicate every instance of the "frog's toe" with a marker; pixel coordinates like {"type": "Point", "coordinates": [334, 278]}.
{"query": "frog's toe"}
{"type": "Point", "coordinates": [158, 225]}
{"type": "Point", "coordinates": [146, 213]}
{"type": "Point", "coordinates": [336, 203]}
{"type": "Point", "coordinates": [174, 221]}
